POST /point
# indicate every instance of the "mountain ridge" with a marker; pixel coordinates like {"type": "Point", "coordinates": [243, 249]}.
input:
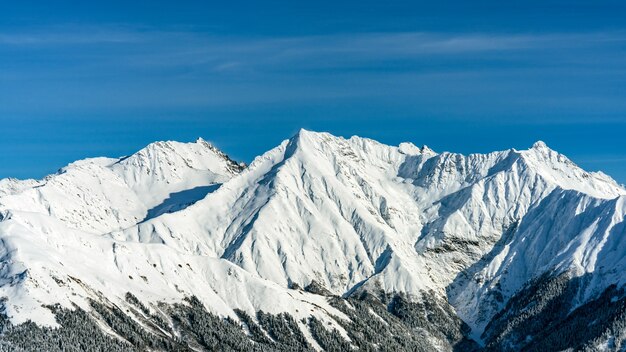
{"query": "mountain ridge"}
{"type": "Point", "coordinates": [353, 217]}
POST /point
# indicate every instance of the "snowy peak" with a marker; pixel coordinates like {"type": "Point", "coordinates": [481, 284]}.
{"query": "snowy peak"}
{"type": "Point", "coordinates": [558, 169]}
{"type": "Point", "coordinates": [345, 215]}
{"type": "Point", "coordinates": [344, 151]}
{"type": "Point", "coordinates": [317, 193]}
{"type": "Point", "coordinates": [164, 159]}
{"type": "Point", "coordinates": [449, 172]}
{"type": "Point", "coordinates": [427, 151]}
{"type": "Point", "coordinates": [162, 168]}
{"type": "Point", "coordinates": [99, 195]}
{"type": "Point", "coordinates": [409, 148]}
{"type": "Point", "coordinates": [540, 150]}
{"type": "Point", "coordinates": [540, 145]}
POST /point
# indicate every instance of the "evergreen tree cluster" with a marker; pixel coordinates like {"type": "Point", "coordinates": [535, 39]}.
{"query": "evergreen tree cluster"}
{"type": "Point", "coordinates": [373, 325]}
{"type": "Point", "coordinates": [544, 316]}
{"type": "Point", "coordinates": [79, 332]}
{"type": "Point", "coordinates": [435, 316]}
{"type": "Point", "coordinates": [284, 330]}
{"type": "Point", "coordinates": [393, 323]}
{"type": "Point", "coordinates": [205, 331]}
{"type": "Point", "coordinates": [328, 340]}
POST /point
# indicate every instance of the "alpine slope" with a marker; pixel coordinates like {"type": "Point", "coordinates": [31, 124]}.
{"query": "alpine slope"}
{"type": "Point", "coordinates": [496, 240]}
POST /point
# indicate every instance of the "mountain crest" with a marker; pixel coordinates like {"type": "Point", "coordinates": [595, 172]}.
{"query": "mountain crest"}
{"type": "Point", "coordinates": [540, 145]}
{"type": "Point", "coordinates": [347, 216]}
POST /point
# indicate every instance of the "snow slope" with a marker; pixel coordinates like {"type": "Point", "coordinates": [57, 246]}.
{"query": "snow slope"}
{"type": "Point", "coordinates": [345, 212]}
{"type": "Point", "coordinates": [102, 194]}
{"type": "Point", "coordinates": [350, 214]}
{"type": "Point", "coordinates": [567, 231]}
{"type": "Point", "coordinates": [53, 249]}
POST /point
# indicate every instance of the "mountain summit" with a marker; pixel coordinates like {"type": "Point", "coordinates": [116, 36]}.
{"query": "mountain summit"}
{"type": "Point", "coordinates": [441, 250]}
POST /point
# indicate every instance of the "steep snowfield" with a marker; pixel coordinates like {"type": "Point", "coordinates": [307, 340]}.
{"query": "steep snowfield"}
{"type": "Point", "coordinates": [315, 208]}
{"type": "Point", "coordinates": [163, 168]}
{"type": "Point", "coordinates": [175, 220]}
{"type": "Point", "coordinates": [352, 212]}
{"type": "Point", "coordinates": [44, 261]}
{"type": "Point", "coordinates": [53, 251]}
{"type": "Point", "coordinates": [567, 231]}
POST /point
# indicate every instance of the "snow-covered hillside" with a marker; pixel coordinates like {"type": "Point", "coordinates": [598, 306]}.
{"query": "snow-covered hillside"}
{"type": "Point", "coordinates": [102, 194]}
{"type": "Point", "coordinates": [350, 216]}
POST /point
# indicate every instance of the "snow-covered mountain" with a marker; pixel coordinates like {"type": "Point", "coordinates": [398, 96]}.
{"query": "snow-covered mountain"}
{"type": "Point", "coordinates": [103, 194]}
{"type": "Point", "coordinates": [437, 240]}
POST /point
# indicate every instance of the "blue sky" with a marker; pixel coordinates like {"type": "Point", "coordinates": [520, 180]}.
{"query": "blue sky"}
{"type": "Point", "coordinates": [81, 79]}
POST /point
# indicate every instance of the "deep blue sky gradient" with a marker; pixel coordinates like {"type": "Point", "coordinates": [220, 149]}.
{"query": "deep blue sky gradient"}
{"type": "Point", "coordinates": [81, 79]}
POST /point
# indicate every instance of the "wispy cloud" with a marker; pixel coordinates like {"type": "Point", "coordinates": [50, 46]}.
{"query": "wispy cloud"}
{"type": "Point", "coordinates": [451, 73]}
{"type": "Point", "coordinates": [366, 45]}
{"type": "Point", "coordinates": [70, 35]}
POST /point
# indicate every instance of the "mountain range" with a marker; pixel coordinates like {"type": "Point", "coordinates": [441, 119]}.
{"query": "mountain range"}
{"type": "Point", "coordinates": [321, 243]}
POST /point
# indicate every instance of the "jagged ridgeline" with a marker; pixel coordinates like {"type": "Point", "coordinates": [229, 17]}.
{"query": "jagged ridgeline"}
{"type": "Point", "coordinates": [321, 243]}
